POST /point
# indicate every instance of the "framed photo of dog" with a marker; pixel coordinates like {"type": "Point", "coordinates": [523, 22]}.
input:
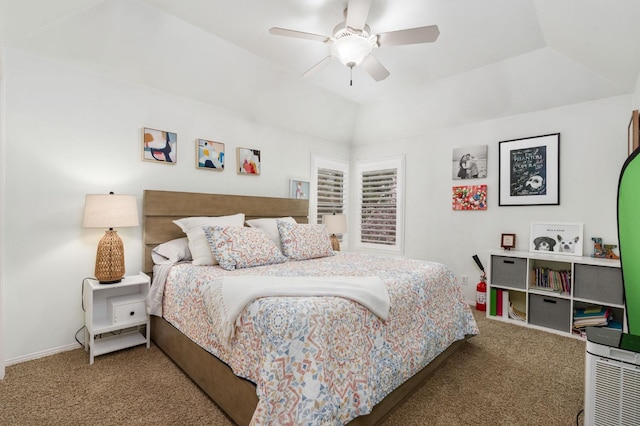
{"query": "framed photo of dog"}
{"type": "Point", "coordinates": [529, 171]}
{"type": "Point", "coordinates": [558, 238]}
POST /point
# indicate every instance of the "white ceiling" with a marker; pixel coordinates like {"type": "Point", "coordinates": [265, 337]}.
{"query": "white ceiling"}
{"type": "Point", "coordinates": [544, 53]}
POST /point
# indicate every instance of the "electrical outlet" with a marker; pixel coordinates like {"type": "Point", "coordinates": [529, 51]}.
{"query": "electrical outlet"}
{"type": "Point", "coordinates": [465, 279]}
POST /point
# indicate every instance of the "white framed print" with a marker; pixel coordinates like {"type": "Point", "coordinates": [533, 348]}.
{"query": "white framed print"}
{"type": "Point", "coordinates": [557, 238]}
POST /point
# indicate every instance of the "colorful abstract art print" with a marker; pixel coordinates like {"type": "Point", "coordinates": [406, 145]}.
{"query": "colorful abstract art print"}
{"type": "Point", "coordinates": [299, 189]}
{"type": "Point", "coordinates": [209, 155]}
{"type": "Point", "coordinates": [159, 146]}
{"type": "Point", "coordinates": [472, 197]}
{"type": "Point", "coordinates": [248, 161]}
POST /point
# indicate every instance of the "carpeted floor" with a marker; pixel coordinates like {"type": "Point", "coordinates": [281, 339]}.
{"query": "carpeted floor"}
{"type": "Point", "coordinates": [508, 375]}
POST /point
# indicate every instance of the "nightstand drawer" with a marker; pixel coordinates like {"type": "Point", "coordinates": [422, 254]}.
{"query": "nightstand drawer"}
{"type": "Point", "coordinates": [126, 309]}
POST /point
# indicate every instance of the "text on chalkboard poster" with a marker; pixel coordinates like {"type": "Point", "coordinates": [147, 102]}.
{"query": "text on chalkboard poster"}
{"type": "Point", "coordinates": [528, 169]}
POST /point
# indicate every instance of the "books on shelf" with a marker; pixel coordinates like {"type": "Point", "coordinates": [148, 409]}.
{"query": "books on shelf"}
{"type": "Point", "coordinates": [499, 303]}
{"type": "Point", "coordinates": [551, 279]}
{"type": "Point", "coordinates": [591, 316]}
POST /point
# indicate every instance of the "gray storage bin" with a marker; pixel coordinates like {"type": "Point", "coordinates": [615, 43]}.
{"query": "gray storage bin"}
{"type": "Point", "coordinates": [550, 312]}
{"type": "Point", "coordinates": [509, 272]}
{"type": "Point", "coordinates": [599, 283]}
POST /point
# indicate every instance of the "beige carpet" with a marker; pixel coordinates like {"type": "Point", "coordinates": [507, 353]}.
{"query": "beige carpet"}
{"type": "Point", "coordinates": [508, 375]}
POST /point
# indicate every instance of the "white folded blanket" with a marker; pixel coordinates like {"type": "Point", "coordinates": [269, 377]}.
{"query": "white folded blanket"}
{"type": "Point", "coordinates": [226, 297]}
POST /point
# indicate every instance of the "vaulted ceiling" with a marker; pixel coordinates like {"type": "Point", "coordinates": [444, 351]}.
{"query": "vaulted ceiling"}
{"type": "Point", "coordinates": [500, 57]}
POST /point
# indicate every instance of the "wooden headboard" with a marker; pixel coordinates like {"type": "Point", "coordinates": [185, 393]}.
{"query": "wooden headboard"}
{"type": "Point", "coordinates": [160, 208]}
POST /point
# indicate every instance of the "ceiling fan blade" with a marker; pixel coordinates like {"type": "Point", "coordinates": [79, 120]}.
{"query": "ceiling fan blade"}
{"type": "Point", "coordinates": [357, 12]}
{"type": "Point", "coordinates": [317, 66]}
{"type": "Point", "coordinates": [374, 68]}
{"type": "Point", "coordinates": [298, 34]}
{"type": "Point", "coordinates": [409, 36]}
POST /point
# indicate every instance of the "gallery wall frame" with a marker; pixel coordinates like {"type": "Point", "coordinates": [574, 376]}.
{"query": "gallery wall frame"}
{"type": "Point", "coordinates": [248, 161]}
{"type": "Point", "coordinates": [633, 132]}
{"type": "Point", "coordinates": [469, 197]}
{"type": "Point", "coordinates": [559, 238]}
{"type": "Point", "coordinates": [299, 189]}
{"type": "Point", "coordinates": [529, 171]}
{"type": "Point", "coordinates": [210, 155]}
{"type": "Point", "coordinates": [159, 146]}
{"type": "Point", "coordinates": [469, 162]}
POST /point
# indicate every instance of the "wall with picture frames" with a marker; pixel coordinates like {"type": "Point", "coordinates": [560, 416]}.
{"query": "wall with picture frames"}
{"type": "Point", "coordinates": [592, 148]}
{"type": "Point", "coordinates": [69, 133]}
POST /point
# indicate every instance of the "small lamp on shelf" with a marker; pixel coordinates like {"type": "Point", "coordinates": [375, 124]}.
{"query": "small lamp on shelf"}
{"type": "Point", "coordinates": [110, 211]}
{"type": "Point", "coordinates": [336, 224]}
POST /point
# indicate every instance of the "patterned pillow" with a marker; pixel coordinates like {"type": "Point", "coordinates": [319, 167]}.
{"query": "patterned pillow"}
{"type": "Point", "coordinates": [236, 247]}
{"type": "Point", "coordinates": [192, 226]}
{"type": "Point", "coordinates": [301, 241]}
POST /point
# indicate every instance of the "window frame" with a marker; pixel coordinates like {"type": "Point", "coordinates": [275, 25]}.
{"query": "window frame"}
{"type": "Point", "coordinates": [363, 166]}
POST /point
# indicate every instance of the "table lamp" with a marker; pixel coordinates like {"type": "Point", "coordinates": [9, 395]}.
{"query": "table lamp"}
{"type": "Point", "coordinates": [110, 211]}
{"type": "Point", "coordinates": [336, 224]}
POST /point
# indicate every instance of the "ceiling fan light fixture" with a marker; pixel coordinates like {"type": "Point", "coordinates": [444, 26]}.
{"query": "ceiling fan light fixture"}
{"type": "Point", "coordinates": [351, 48]}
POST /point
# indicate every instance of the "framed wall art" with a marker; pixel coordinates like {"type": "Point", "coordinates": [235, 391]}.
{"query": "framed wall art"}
{"type": "Point", "coordinates": [248, 161]}
{"type": "Point", "coordinates": [159, 146]}
{"type": "Point", "coordinates": [299, 189]}
{"type": "Point", "coordinates": [508, 241]}
{"type": "Point", "coordinates": [529, 171]}
{"type": "Point", "coordinates": [209, 155]}
{"type": "Point", "coordinates": [469, 162]}
{"type": "Point", "coordinates": [471, 197]}
{"type": "Point", "coordinates": [633, 132]}
{"type": "Point", "coordinates": [560, 238]}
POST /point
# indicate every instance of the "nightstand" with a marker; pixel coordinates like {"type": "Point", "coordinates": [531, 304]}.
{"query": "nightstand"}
{"type": "Point", "coordinates": [115, 315]}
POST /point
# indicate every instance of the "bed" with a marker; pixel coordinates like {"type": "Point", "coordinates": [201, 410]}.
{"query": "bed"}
{"type": "Point", "coordinates": [331, 379]}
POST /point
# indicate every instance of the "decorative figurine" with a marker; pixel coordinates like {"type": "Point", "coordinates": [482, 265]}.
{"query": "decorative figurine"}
{"type": "Point", "coordinates": [598, 251]}
{"type": "Point", "coordinates": [608, 248]}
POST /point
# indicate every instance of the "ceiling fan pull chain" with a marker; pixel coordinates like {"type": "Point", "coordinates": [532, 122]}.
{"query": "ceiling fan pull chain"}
{"type": "Point", "coordinates": [350, 73]}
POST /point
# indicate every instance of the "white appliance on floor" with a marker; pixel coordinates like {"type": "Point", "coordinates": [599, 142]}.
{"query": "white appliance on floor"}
{"type": "Point", "coordinates": [612, 378]}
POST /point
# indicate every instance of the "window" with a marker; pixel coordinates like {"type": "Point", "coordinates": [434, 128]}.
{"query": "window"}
{"type": "Point", "coordinates": [380, 204]}
{"type": "Point", "coordinates": [328, 188]}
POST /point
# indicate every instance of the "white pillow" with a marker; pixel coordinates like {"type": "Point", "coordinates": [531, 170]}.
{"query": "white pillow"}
{"type": "Point", "coordinates": [172, 251]}
{"type": "Point", "coordinates": [270, 226]}
{"type": "Point", "coordinates": [198, 245]}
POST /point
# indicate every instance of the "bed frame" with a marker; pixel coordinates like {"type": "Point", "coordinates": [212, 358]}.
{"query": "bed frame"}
{"type": "Point", "coordinates": [234, 395]}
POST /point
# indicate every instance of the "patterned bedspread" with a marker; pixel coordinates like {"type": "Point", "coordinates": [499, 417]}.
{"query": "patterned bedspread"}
{"type": "Point", "coordinates": [327, 360]}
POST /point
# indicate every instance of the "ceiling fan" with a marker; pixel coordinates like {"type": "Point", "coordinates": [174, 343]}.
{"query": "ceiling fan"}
{"type": "Point", "coordinates": [352, 40]}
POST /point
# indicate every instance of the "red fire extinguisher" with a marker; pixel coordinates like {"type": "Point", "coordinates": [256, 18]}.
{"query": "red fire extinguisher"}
{"type": "Point", "coordinates": [481, 294]}
{"type": "Point", "coordinates": [481, 288]}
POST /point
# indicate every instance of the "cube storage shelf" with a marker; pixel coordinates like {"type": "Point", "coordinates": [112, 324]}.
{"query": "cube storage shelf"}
{"type": "Point", "coordinates": [115, 315]}
{"type": "Point", "coordinates": [535, 297]}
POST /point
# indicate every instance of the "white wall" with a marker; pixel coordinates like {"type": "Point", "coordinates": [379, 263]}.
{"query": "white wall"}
{"type": "Point", "coordinates": [71, 132]}
{"type": "Point", "coordinates": [593, 147]}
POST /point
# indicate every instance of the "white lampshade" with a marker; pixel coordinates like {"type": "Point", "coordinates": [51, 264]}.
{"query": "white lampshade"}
{"type": "Point", "coordinates": [110, 211]}
{"type": "Point", "coordinates": [336, 223]}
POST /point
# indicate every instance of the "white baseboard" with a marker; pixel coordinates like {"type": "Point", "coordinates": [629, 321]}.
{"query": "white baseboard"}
{"type": "Point", "coordinates": [36, 355]}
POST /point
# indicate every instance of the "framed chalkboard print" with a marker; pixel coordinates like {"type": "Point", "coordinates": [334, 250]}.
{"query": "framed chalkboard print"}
{"type": "Point", "coordinates": [529, 171]}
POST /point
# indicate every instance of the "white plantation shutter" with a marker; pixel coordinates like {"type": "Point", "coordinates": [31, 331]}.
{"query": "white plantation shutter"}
{"type": "Point", "coordinates": [330, 192]}
{"type": "Point", "coordinates": [329, 185]}
{"type": "Point", "coordinates": [380, 204]}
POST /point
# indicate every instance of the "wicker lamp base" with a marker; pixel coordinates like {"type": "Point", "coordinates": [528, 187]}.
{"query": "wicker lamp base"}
{"type": "Point", "coordinates": [110, 258]}
{"type": "Point", "coordinates": [335, 243]}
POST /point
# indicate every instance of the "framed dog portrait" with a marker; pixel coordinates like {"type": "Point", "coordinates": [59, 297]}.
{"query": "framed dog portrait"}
{"type": "Point", "coordinates": [529, 171]}
{"type": "Point", "coordinates": [557, 238]}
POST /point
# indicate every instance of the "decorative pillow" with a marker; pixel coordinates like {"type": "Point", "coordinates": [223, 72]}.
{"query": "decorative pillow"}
{"type": "Point", "coordinates": [192, 226]}
{"type": "Point", "coordinates": [236, 248]}
{"type": "Point", "coordinates": [301, 241]}
{"type": "Point", "coordinates": [270, 227]}
{"type": "Point", "coordinates": [172, 251]}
